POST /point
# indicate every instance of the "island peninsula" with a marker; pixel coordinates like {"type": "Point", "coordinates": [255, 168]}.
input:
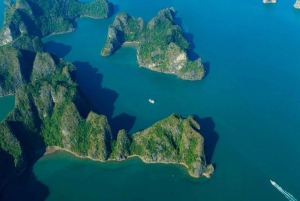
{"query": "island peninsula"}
{"type": "Point", "coordinates": [51, 111]}
{"type": "Point", "coordinates": [161, 43]}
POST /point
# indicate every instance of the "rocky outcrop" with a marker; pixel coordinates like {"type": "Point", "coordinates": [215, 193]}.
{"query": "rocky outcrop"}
{"type": "Point", "coordinates": [122, 146]}
{"type": "Point", "coordinates": [16, 63]}
{"type": "Point", "coordinates": [100, 136]}
{"type": "Point", "coordinates": [42, 18]}
{"type": "Point", "coordinates": [269, 1]}
{"type": "Point", "coordinates": [297, 4]}
{"type": "Point", "coordinates": [162, 46]}
{"type": "Point", "coordinates": [10, 144]}
{"type": "Point", "coordinates": [28, 43]}
{"type": "Point", "coordinates": [43, 65]}
{"type": "Point", "coordinates": [12, 63]}
{"type": "Point", "coordinates": [69, 124]}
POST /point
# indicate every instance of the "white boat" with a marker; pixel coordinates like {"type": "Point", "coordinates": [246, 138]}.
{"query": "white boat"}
{"type": "Point", "coordinates": [272, 182]}
{"type": "Point", "coordinates": [151, 101]}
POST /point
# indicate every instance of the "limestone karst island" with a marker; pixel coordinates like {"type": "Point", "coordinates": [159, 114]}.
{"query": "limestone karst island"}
{"type": "Point", "coordinates": [51, 112]}
{"type": "Point", "coordinates": [161, 44]}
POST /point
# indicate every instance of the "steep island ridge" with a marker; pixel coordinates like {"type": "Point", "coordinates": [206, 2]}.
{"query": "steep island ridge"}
{"type": "Point", "coordinates": [161, 43]}
{"type": "Point", "coordinates": [42, 18]}
{"type": "Point", "coordinates": [26, 21]}
{"type": "Point", "coordinates": [51, 111]}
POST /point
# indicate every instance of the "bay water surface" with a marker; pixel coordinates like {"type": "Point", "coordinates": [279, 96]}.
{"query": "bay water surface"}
{"type": "Point", "coordinates": [247, 106]}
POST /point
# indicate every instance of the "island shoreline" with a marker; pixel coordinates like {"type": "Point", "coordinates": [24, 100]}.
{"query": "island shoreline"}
{"type": "Point", "coordinates": [52, 149]}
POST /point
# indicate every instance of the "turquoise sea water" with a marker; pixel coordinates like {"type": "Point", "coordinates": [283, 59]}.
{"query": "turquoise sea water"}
{"type": "Point", "coordinates": [247, 105]}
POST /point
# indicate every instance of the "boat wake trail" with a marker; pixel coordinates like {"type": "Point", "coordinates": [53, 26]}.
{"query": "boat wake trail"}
{"type": "Point", "coordinates": [285, 193]}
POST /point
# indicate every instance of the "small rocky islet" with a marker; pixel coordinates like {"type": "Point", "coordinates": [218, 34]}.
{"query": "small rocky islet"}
{"type": "Point", "coordinates": [51, 110]}
{"type": "Point", "coordinates": [296, 4]}
{"type": "Point", "coordinates": [269, 1]}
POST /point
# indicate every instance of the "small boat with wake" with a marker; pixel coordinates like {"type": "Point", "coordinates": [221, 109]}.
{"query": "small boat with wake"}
{"type": "Point", "coordinates": [285, 193]}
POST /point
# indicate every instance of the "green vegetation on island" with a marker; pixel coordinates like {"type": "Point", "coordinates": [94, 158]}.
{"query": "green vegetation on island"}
{"type": "Point", "coordinates": [162, 45]}
{"type": "Point", "coordinates": [173, 140]}
{"type": "Point", "coordinates": [51, 111]}
{"type": "Point", "coordinates": [42, 18]}
{"type": "Point", "coordinates": [16, 63]}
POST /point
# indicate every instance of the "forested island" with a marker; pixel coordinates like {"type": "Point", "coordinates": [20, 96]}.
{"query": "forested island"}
{"type": "Point", "coordinates": [161, 43]}
{"type": "Point", "coordinates": [51, 110]}
{"type": "Point", "coordinates": [42, 18]}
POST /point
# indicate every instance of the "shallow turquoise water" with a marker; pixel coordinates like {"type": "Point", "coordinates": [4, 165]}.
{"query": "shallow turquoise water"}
{"type": "Point", "coordinates": [6, 104]}
{"type": "Point", "coordinates": [248, 105]}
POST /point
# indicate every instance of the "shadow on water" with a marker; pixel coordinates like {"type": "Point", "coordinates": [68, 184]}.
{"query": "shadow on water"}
{"type": "Point", "coordinates": [189, 37]}
{"type": "Point", "coordinates": [90, 82]}
{"type": "Point", "coordinates": [206, 68]}
{"type": "Point", "coordinates": [59, 49]}
{"type": "Point", "coordinates": [26, 187]}
{"type": "Point", "coordinates": [103, 99]}
{"type": "Point", "coordinates": [116, 9]}
{"type": "Point", "coordinates": [27, 66]}
{"type": "Point", "coordinates": [211, 137]}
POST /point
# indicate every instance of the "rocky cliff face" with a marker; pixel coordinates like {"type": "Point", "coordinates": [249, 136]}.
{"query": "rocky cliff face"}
{"type": "Point", "coordinates": [12, 63]}
{"type": "Point", "coordinates": [125, 28]}
{"type": "Point", "coordinates": [15, 65]}
{"type": "Point", "coordinates": [27, 43]}
{"type": "Point", "coordinates": [100, 136]}
{"type": "Point", "coordinates": [43, 65]}
{"type": "Point", "coordinates": [122, 146]}
{"type": "Point", "coordinates": [42, 18]}
{"type": "Point", "coordinates": [162, 46]}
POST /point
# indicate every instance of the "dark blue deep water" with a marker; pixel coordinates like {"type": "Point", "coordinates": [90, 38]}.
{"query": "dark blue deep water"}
{"type": "Point", "coordinates": [248, 106]}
